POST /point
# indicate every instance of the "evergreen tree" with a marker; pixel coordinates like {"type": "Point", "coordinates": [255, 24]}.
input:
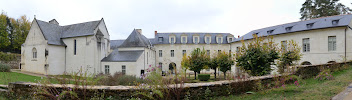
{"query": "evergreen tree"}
{"type": "Point", "coordinates": [321, 8]}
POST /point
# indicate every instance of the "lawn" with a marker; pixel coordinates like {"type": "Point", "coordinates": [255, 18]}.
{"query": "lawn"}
{"type": "Point", "coordinates": [6, 77]}
{"type": "Point", "coordinates": [310, 89]}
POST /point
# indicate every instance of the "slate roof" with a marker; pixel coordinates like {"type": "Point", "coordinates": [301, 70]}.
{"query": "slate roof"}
{"type": "Point", "coordinates": [165, 37]}
{"type": "Point", "coordinates": [319, 23]}
{"type": "Point", "coordinates": [115, 43]}
{"type": "Point", "coordinates": [123, 56]}
{"type": "Point", "coordinates": [53, 33]}
{"type": "Point", "coordinates": [136, 39]}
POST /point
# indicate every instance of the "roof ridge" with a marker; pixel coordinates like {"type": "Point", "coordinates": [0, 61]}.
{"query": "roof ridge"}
{"type": "Point", "coordinates": [82, 23]}
{"type": "Point", "coordinates": [192, 32]}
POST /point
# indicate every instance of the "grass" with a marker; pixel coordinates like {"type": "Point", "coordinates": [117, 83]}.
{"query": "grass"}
{"type": "Point", "coordinates": [7, 77]}
{"type": "Point", "coordinates": [310, 89]}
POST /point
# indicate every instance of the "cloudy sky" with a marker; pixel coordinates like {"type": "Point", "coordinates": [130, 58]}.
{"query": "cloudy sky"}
{"type": "Point", "coordinates": [237, 17]}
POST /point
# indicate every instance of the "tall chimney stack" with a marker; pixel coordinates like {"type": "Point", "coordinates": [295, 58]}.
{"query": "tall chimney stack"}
{"type": "Point", "coordinates": [155, 32]}
{"type": "Point", "coordinates": [139, 31]}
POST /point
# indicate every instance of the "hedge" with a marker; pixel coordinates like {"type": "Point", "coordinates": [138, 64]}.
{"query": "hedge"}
{"type": "Point", "coordinates": [204, 77]}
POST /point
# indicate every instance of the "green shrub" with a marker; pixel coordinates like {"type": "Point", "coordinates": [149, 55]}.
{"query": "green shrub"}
{"type": "Point", "coordinates": [325, 75]}
{"type": "Point", "coordinates": [307, 72]}
{"type": "Point", "coordinates": [4, 68]}
{"type": "Point", "coordinates": [204, 77]}
{"type": "Point", "coordinates": [7, 57]}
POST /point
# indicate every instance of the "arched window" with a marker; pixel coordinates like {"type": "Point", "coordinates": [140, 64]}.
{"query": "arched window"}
{"type": "Point", "coordinates": [306, 63]}
{"type": "Point", "coordinates": [34, 52]}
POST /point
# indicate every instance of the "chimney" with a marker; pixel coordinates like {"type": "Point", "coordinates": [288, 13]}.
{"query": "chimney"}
{"type": "Point", "coordinates": [238, 36]}
{"type": "Point", "coordinates": [53, 21]}
{"type": "Point", "coordinates": [139, 31]}
{"type": "Point", "coordinates": [155, 32]}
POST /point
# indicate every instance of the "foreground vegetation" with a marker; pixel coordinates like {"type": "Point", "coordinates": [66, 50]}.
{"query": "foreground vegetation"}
{"type": "Point", "coordinates": [7, 77]}
{"type": "Point", "coordinates": [310, 89]}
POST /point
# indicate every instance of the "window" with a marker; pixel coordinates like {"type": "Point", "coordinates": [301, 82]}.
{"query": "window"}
{"type": "Point", "coordinates": [288, 28]}
{"type": "Point", "coordinates": [160, 53]}
{"type": "Point", "coordinates": [75, 47]}
{"type": "Point", "coordinates": [310, 25]}
{"type": "Point", "coordinates": [184, 40]}
{"type": "Point", "coordinates": [332, 43]}
{"type": "Point", "coordinates": [237, 49]}
{"type": "Point", "coordinates": [107, 69]}
{"type": "Point", "coordinates": [183, 52]}
{"type": "Point", "coordinates": [207, 39]}
{"type": "Point", "coordinates": [335, 22]}
{"type": "Point", "coordinates": [230, 39]}
{"type": "Point", "coordinates": [306, 45]}
{"type": "Point", "coordinates": [160, 39]}
{"type": "Point", "coordinates": [270, 31]}
{"type": "Point", "coordinates": [208, 52]}
{"type": "Point", "coordinates": [147, 57]}
{"type": "Point", "coordinates": [196, 40]}
{"type": "Point", "coordinates": [284, 45]}
{"type": "Point", "coordinates": [123, 69]}
{"type": "Point", "coordinates": [219, 51]}
{"type": "Point", "coordinates": [34, 51]}
{"type": "Point", "coordinates": [161, 66]}
{"type": "Point", "coordinates": [172, 40]}
{"type": "Point", "coordinates": [219, 40]}
{"type": "Point", "coordinates": [172, 53]}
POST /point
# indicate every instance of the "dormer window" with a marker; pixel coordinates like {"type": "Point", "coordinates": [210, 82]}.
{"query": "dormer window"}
{"type": "Point", "coordinates": [270, 31]}
{"type": "Point", "coordinates": [207, 39]}
{"type": "Point", "coordinates": [288, 28]}
{"type": "Point", "coordinates": [335, 22]}
{"type": "Point", "coordinates": [230, 39]}
{"type": "Point", "coordinates": [160, 39]}
{"type": "Point", "coordinates": [310, 25]}
{"type": "Point", "coordinates": [196, 39]}
{"type": "Point", "coordinates": [184, 39]}
{"type": "Point", "coordinates": [219, 40]}
{"type": "Point", "coordinates": [172, 40]}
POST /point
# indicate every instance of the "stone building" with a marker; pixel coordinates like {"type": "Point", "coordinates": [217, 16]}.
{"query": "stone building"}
{"type": "Point", "coordinates": [53, 49]}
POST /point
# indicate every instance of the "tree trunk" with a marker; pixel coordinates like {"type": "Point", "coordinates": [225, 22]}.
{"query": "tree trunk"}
{"type": "Point", "coordinates": [195, 75]}
{"type": "Point", "coordinates": [215, 73]}
{"type": "Point", "coordinates": [224, 75]}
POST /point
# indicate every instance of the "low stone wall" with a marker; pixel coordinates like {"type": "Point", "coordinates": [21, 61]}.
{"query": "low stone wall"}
{"type": "Point", "coordinates": [196, 90]}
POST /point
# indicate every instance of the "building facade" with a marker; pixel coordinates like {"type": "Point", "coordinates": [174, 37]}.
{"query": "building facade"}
{"type": "Point", "coordinates": [53, 49]}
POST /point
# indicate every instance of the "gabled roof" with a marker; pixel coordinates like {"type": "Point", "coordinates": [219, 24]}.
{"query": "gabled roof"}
{"type": "Point", "coordinates": [189, 35]}
{"type": "Point", "coordinates": [319, 23]}
{"type": "Point", "coordinates": [136, 39]}
{"type": "Point", "coordinates": [123, 56]}
{"type": "Point", "coordinates": [115, 44]}
{"type": "Point", "coordinates": [53, 32]}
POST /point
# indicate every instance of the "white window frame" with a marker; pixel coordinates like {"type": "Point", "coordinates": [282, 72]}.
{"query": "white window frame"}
{"type": "Point", "coordinates": [172, 53]}
{"type": "Point", "coordinates": [160, 53]}
{"type": "Point", "coordinates": [194, 39]}
{"type": "Point", "coordinates": [183, 39]}
{"type": "Point", "coordinates": [217, 40]}
{"type": "Point", "coordinates": [123, 69]}
{"type": "Point", "coordinates": [207, 39]}
{"type": "Point", "coordinates": [160, 39]}
{"type": "Point", "coordinates": [305, 45]}
{"type": "Point", "coordinates": [172, 40]}
{"type": "Point", "coordinates": [107, 69]}
{"type": "Point", "coordinates": [184, 52]}
{"type": "Point", "coordinates": [332, 43]}
{"type": "Point", "coordinates": [34, 53]}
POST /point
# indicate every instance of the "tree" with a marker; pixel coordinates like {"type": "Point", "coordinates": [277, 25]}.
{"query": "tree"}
{"type": "Point", "coordinates": [256, 58]}
{"type": "Point", "coordinates": [198, 60]}
{"type": "Point", "coordinates": [13, 32]}
{"type": "Point", "coordinates": [4, 40]}
{"type": "Point", "coordinates": [289, 55]}
{"type": "Point", "coordinates": [185, 63]}
{"type": "Point", "coordinates": [322, 8]}
{"type": "Point", "coordinates": [225, 61]}
{"type": "Point", "coordinates": [213, 64]}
